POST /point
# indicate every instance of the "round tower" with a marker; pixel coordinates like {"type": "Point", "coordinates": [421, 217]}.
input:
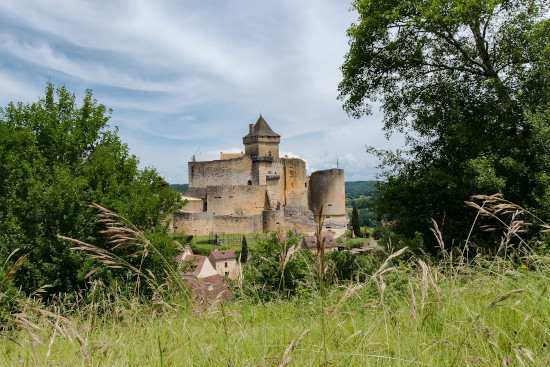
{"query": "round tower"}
{"type": "Point", "coordinates": [327, 196]}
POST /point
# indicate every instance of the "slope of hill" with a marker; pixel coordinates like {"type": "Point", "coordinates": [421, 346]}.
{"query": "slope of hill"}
{"type": "Point", "coordinates": [355, 189]}
{"type": "Point", "coordinates": [181, 188]}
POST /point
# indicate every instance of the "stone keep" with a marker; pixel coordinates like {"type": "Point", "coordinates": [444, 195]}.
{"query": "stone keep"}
{"type": "Point", "coordinates": [258, 191]}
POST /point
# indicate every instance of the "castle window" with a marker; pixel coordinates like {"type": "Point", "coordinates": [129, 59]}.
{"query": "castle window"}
{"type": "Point", "coordinates": [329, 204]}
{"type": "Point", "coordinates": [305, 184]}
{"type": "Point", "coordinates": [292, 184]}
{"type": "Point", "coordinates": [249, 182]}
{"type": "Point", "coordinates": [269, 154]}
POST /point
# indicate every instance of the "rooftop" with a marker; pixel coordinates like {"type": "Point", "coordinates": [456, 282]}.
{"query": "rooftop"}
{"type": "Point", "coordinates": [261, 128]}
{"type": "Point", "coordinates": [310, 242]}
{"type": "Point", "coordinates": [223, 255]}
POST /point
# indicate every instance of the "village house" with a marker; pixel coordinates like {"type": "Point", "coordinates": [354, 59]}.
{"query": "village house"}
{"type": "Point", "coordinates": [225, 263]}
{"type": "Point", "coordinates": [201, 275]}
{"type": "Point", "coordinates": [327, 239]}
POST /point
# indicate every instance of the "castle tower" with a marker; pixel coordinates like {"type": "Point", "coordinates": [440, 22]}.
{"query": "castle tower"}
{"type": "Point", "coordinates": [327, 196]}
{"type": "Point", "coordinates": [261, 141]}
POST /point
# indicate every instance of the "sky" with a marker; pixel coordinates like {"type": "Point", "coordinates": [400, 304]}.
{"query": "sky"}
{"type": "Point", "coordinates": [188, 77]}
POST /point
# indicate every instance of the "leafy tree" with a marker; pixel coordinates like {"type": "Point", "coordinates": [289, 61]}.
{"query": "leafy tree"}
{"type": "Point", "coordinates": [55, 159]}
{"type": "Point", "coordinates": [468, 83]}
{"type": "Point", "coordinates": [355, 223]}
{"type": "Point", "coordinates": [274, 269]}
{"type": "Point", "coordinates": [244, 251]}
{"type": "Point", "coordinates": [350, 266]}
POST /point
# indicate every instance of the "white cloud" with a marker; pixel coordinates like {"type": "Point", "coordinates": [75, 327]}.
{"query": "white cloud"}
{"type": "Point", "coordinates": [183, 74]}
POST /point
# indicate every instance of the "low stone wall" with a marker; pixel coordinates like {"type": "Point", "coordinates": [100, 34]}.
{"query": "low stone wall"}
{"type": "Point", "coordinates": [201, 224]}
{"type": "Point", "coordinates": [272, 220]}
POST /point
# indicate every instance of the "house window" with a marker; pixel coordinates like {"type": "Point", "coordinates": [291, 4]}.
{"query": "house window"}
{"type": "Point", "coordinates": [226, 264]}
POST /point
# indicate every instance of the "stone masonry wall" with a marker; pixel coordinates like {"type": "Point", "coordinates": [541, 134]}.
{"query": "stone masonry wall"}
{"type": "Point", "coordinates": [327, 190]}
{"type": "Point", "coordinates": [295, 182]}
{"type": "Point", "coordinates": [236, 200]}
{"type": "Point", "coordinates": [235, 171]}
{"type": "Point", "coordinates": [200, 224]}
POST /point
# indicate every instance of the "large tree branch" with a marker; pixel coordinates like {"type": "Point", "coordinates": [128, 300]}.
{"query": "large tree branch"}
{"type": "Point", "coordinates": [453, 42]}
{"type": "Point", "coordinates": [482, 48]}
{"type": "Point", "coordinates": [456, 68]}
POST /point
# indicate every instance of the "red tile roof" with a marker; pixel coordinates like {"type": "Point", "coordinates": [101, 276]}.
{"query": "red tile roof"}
{"type": "Point", "coordinates": [310, 242]}
{"type": "Point", "coordinates": [195, 262]}
{"type": "Point", "coordinates": [223, 255]}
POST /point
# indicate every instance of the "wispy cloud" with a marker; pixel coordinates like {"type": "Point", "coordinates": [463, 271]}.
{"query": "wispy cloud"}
{"type": "Point", "coordinates": [184, 74]}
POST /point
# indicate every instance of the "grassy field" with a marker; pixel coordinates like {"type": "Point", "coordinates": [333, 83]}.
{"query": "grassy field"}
{"type": "Point", "coordinates": [408, 313]}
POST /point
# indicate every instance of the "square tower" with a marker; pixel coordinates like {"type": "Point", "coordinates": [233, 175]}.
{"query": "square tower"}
{"type": "Point", "coordinates": [261, 141]}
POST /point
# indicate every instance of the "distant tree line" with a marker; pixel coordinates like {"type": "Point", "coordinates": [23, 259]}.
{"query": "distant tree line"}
{"type": "Point", "coordinates": [181, 188]}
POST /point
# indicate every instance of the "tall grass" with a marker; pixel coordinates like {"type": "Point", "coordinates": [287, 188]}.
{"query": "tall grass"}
{"type": "Point", "coordinates": [472, 316]}
{"type": "Point", "coordinates": [410, 311]}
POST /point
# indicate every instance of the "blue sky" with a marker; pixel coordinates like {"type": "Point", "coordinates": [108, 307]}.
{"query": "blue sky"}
{"type": "Point", "coordinates": [180, 75]}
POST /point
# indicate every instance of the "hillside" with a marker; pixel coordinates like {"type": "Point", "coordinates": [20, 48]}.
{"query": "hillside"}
{"type": "Point", "coordinates": [355, 189]}
{"type": "Point", "coordinates": [181, 188]}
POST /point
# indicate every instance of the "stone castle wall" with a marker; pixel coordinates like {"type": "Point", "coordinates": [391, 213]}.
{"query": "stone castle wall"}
{"type": "Point", "coordinates": [295, 183]}
{"type": "Point", "coordinates": [272, 220]}
{"type": "Point", "coordinates": [262, 146]}
{"type": "Point", "coordinates": [225, 156]}
{"type": "Point", "coordinates": [327, 190]}
{"type": "Point", "coordinates": [200, 224]}
{"type": "Point", "coordinates": [259, 191]}
{"type": "Point", "coordinates": [236, 200]}
{"type": "Point", "coordinates": [235, 171]}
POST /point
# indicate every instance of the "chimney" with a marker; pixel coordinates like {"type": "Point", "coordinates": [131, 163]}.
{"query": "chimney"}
{"type": "Point", "coordinates": [250, 127]}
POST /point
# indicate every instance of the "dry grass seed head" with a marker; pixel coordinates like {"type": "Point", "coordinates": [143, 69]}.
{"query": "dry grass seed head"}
{"type": "Point", "coordinates": [505, 296]}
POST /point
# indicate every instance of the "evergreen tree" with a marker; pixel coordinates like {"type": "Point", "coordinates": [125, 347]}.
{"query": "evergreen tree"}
{"type": "Point", "coordinates": [244, 251]}
{"type": "Point", "coordinates": [355, 223]}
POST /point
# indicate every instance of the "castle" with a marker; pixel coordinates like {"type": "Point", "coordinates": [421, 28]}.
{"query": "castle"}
{"type": "Point", "coordinates": [257, 191]}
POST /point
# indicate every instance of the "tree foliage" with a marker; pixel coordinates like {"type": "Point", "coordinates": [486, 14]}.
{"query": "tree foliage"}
{"type": "Point", "coordinates": [355, 223]}
{"type": "Point", "coordinates": [277, 267]}
{"type": "Point", "coordinates": [244, 250]}
{"type": "Point", "coordinates": [55, 159]}
{"type": "Point", "coordinates": [468, 82]}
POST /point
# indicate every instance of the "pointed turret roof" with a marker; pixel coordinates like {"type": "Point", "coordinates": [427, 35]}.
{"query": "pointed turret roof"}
{"type": "Point", "coordinates": [261, 128]}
